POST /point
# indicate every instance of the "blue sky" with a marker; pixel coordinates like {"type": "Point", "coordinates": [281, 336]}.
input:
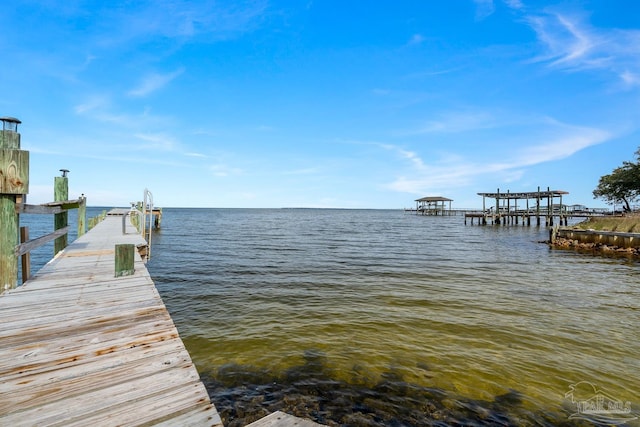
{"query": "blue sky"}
{"type": "Point", "coordinates": [350, 104]}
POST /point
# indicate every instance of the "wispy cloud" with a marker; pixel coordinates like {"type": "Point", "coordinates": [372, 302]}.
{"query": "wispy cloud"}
{"type": "Point", "coordinates": [182, 19]}
{"type": "Point", "coordinates": [380, 92]}
{"type": "Point", "coordinates": [514, 4]}
{"type": "Point", "coordinates": [446, 172]}
{"type": "Point", "coordinates": [92, 104]}
{"type": "Point", "coordinates": [100, 108]}
{"type": "Point", "coordinates": [222, 170]}
{"type": "Point", "coordinates": [154, 82]}
{"type": "Point", "coordinates": [198, 155]}
{"type": "Point", "coordinates": [416, 39]}
{"type": "Point", "coordinates": [562, 146]}
{"type": "Point", "coordinates": [306, 171]}
{"type": "Point", "coordinates": [484, 8]}
{"type": "Point", "coordinates": [567, 42]}
{"type": "Point", "coordinates": [571, 43]}
{"type": "Point", "coordinates": [411, 156]}
{"type": "Point", "coordinates": [455, 122]}
{"type": "Point", "coordinates": [156, 142]}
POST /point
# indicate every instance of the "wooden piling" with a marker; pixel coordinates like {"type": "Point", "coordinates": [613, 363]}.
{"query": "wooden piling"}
{"type": "Point", "coordinates": [60, 220]}
{"type": "Point", "coordinates": [82, 215]}
{"type": "Point", "coordinates": [497, 217]}
{"type": "Point", "coordinates": [14, 182]}
{"type": "Point", "coordinates": [8, 242]}
{"type": "Point", "coordinates": [124, 261]}
{"type": "Point", "coordinates": [25, 258]}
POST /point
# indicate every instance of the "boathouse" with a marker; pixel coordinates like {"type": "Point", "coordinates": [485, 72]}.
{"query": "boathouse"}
{"type": "Point", "coordinates": [433, 205]}
{"type": "Point", "coordinates": [511, 208]}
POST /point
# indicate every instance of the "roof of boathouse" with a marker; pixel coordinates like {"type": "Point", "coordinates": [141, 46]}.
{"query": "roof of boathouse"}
{"type": "Point", "coordinates": [524, 195]}
{"type": "Point", "coordinates": [433, 199]}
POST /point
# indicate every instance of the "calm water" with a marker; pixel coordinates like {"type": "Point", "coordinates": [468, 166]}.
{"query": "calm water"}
{"type": "Point", "coordinates": [376, 317]}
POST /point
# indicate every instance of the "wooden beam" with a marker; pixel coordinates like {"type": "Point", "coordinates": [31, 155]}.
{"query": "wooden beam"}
{"type": "Point", "coordinates": [51, 207]}
{"type": "Point", "coordinates": [65, 204]}
{"type": "Point", "coordinates": [23, 208]}
{"type": "Point", "coordinates": [23, 248]}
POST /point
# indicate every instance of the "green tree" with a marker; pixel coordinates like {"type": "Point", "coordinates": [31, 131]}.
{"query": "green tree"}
{"type": "Point", "coordinates": [622, 185]}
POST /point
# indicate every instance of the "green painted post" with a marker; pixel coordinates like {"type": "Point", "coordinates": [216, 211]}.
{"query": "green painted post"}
{"type": "Point", "coordinates": [124, 259]}
{"type": "Point", "coordinates": [8, 242]}
{"type": "Point", "coordinates": [60, 220]}
{"type": "Point", "coordinates": [82, 216]}
{"type": "Point", "coordinates": [14, 182]}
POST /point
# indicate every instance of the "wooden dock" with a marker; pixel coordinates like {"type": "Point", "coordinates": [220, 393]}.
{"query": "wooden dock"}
{"type": "Point", "coordinates": [281, 419]}
{"type": "Point", "coordinates": [82, 347]}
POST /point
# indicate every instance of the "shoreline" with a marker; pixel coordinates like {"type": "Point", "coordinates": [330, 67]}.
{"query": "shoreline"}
{"type": "Point", "coordinates": [594, 248]}
{"type": "Point", "coordinates": [606, 224]}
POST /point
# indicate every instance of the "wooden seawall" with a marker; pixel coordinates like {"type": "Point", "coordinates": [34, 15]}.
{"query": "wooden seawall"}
{"type": "Point", "coordinates": [611, 238]}
{"type": "Point", "coordinates": [81, 347]}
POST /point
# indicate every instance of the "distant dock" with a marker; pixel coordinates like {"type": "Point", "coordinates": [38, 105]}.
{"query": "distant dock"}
{"type": "Point", "coordinates": [522, 207]}
{"type": "Point", "coordinates": [509, 208]}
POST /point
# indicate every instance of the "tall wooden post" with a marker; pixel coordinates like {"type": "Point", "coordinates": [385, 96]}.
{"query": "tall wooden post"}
{"type": "Point", "coordinates": [60, 220]}
{"type": "Point", "coordinates": [124, 259]}
{"type": "Point", "coordinates": [26, 258]}
{"type": "Point", "coordinates": [497, 220]}
{"type": "Point", "coordinates": [14, 181]}
{"type": "Point", "coordinates": [538, 207]}
{"type": "Point", "coordinates": [484, 212]}
{"type": "Point", "coordinates": [509, 217]}
{"type": "Point", "coordinates": [82, 216]}
{"type": "Point", "coordinates": [549, 207]}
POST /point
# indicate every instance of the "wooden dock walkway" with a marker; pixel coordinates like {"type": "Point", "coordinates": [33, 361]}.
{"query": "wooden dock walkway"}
{"type": "Point", "coordinates": [80, 347]}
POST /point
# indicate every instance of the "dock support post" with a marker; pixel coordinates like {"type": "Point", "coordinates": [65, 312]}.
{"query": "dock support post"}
{"type": "Point", "coordinates": [82, 216]}
{"type": "Point", "coordinates": [497, 217]}
{"type": "Point", "coordinates": [124, 260]}
{"type": "Point", "coordinates": [538, 207]}
{"type": "Point", "coordinates": [549, 208]}
{"type": "Point", "coordinates": [8, 242]}
{"type": "Point", "coordinates": [14, 184]}
{"type": "Point", "coordinates": [26, 258]}
{"type": "Point", "coordinates": [60, 220]}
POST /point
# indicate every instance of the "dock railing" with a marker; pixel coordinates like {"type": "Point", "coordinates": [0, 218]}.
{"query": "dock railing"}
{"type": "Point", "coordinates": [145, 217]}
{"type": "Point", "coordinates": [14, 187]}
{"type": "Point", "coordinates": [59, 208]}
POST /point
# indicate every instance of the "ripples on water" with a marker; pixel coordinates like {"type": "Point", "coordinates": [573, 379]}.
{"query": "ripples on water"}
{"type": "Point", "coordinates": [377, 317]}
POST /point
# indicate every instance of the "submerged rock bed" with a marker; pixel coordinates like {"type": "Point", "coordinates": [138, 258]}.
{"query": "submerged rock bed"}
{"type": "Point", "coordinates": [243, 394]}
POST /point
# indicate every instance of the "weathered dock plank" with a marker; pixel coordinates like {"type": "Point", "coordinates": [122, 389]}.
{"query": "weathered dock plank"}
{"type": "Point", "coordinates": [281, 419]}
{"type": "Point", "coordinates": [82, 347]}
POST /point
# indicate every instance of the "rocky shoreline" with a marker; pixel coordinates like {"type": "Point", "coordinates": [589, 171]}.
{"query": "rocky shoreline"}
{"type": "Point", "coordinates": [595, 248]}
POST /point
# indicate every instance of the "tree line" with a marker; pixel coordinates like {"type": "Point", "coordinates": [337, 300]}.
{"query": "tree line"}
{"type": "Point", "coordinates": [622, 186]}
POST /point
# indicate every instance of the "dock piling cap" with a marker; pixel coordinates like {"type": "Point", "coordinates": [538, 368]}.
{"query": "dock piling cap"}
{"type": "Point", "coordinates": [10, 123]}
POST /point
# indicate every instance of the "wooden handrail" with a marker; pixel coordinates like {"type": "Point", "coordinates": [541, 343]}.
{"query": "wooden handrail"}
{"type": "Point", "coordinates": [30, 245]}
{"type": "Point", "coordinates": [48, 208]}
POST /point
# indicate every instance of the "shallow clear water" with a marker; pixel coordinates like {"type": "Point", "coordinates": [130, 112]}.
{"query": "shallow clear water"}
{"type": "Point", "coordinates": [378, 317]}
